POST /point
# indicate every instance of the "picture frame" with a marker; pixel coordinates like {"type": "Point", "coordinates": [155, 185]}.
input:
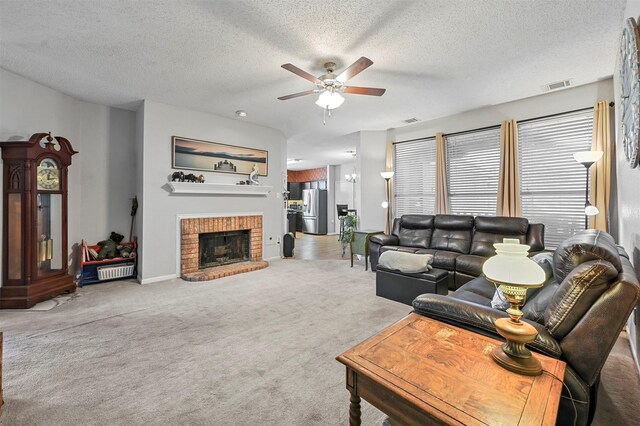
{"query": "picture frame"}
{"type": "Point", "coordinates": [206, 156]}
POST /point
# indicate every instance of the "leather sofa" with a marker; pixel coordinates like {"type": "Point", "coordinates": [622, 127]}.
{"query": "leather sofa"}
{"type": "Point", "coordinates": [579, 313]}
{"type": "Point", "coordinates": [459, 244]}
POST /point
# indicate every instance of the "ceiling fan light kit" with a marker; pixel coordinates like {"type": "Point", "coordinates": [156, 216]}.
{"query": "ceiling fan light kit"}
{"type": "Point", "coordinates": [330, 86]}
{"type": "Point", "coordinates": [329, 100]}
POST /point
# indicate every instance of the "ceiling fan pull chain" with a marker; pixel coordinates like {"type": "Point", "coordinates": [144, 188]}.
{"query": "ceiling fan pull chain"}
{"type": "Point", "coordinates": [324, 116]}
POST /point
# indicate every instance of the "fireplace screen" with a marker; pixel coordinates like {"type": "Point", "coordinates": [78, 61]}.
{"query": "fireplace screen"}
{"type": "Point", "coordinates": [223, 248]}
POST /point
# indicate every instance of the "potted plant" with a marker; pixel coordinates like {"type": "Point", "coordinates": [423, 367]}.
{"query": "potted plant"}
{"type": "Point", "coordinates": [350, 224]}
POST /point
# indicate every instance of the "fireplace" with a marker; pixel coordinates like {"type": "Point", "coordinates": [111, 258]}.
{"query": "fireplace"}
{"type": "Point", "coordinates": [216, 247]}
{"type": "Point", "coordinates": [222, 248]}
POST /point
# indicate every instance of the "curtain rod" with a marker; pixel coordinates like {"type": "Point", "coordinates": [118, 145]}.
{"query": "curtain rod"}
{"type": "Point", "coordinates": [611, 104]}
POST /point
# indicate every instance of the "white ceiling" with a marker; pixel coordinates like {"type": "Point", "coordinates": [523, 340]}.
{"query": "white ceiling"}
{"type": "Point", "coordinates": [435, 58]}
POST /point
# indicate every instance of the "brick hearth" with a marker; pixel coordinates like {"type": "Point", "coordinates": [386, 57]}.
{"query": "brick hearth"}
{"type": "Point", "coordinates": [189, 247]}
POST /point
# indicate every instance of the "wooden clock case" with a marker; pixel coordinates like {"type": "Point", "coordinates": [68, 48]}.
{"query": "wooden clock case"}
{"type": "Point", "coordinates": [29, 275]}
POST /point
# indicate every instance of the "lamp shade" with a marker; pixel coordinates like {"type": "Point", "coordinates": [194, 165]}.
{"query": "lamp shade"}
{"type": "Point", "coordinates": [587, 157]}
{"type": "Point", "coordinates": [329, 100]}
{"type": "Point", "coordinates": [387, 175]}
{"type": "Point", "coordinates": [511, 266]}
{"type": "Point", "coordinates": [590, 210]}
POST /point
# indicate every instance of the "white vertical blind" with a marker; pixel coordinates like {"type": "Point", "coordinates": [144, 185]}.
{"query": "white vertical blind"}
{"type": "Point", "coordinates": [552, 183]}
{"type": "Point", "coordinates": [415, 178]}
{"type": "Point", "coordinates": [473, 168]}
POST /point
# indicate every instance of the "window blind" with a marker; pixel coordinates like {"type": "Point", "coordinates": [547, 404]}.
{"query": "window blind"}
{"type": "Point", "coordinates": [414, 183]}
{"type": "Point", "coordinates": [552, 183]}
{"type": "Point", "coordinates": [473, 169]}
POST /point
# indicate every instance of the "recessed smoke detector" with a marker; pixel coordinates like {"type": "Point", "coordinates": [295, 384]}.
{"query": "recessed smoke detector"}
{"type": "Point", "coordinates": [557, 85]}
{"type": "Point", "coordinates": [411, 120]}
{"type": "Point", "coordinates": [241, 113]}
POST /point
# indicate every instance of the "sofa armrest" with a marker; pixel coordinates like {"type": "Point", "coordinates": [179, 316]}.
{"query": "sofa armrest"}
{"type": "Point", "coordinates": [384, 239]}
{"type": "Point", "coordinates": [478, 318]}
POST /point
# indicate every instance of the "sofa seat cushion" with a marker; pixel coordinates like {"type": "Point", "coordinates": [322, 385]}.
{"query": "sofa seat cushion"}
{"type": "Point", "coordinates": [479, 290]}
{"type": "Point", "coordinates": [442, 259]}
{"type": "Point", "coordinates": [407, 263]}
{"type": "Point", "coordinates": [470, 264]}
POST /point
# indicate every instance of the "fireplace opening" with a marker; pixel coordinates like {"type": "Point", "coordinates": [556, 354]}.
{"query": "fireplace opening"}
{"type": "Point", "coordinates": [223, 248]}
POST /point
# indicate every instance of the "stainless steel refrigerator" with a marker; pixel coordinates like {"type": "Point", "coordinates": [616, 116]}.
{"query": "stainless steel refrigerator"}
{"type": "Point", "coordinates": [314, 211]}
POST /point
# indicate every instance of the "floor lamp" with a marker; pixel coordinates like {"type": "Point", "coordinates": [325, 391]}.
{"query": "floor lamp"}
{"type": "Point", "coordinates": [387, 203]}
{"type": "Point", "coordinates": [351, 178]}
{"type": "Point", "coordinates": [587, 159]}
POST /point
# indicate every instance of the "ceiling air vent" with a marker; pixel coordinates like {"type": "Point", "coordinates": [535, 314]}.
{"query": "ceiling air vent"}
{"type": "Point", "coordinates": [411, 120]}
{"type": "Point", "coordinates": [557, 85]}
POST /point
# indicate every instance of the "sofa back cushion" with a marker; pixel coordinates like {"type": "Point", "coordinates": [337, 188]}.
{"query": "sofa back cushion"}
{"type": "Point", "coordinates": [590, 244]}
{"type": "Point", "coordinates": [575, 295]}
{"type": "Point", "coordinates": [415, 230]}
{"type": "Point", "coordinates": [452, 233]}
{"type": "Point", "coordinates": [535, 237]}
{"type": "Point", "coordinates": [494, 229]}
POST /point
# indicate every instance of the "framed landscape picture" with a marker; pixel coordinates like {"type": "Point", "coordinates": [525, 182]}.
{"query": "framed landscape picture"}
{"type": "Point", "coordinates": [193, 154]}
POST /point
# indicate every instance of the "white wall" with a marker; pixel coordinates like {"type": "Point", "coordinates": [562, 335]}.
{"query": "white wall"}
{"type": "Point", "coordinates": [102, 174]}
{"type": "Point", "coordinates": [342, 189]}
{"type": "Point", "coordinates": [370, 191]}
{"type": "Point", "coordinates": [161, 122]}
{"type": "Point", "coordinates": [628, 212]}
{"type": "Point", "coordinates": [536, 106]}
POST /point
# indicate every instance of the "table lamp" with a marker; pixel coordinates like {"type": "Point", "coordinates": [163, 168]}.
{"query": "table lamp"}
{"type": "Point", "coordinates": [515, 272]}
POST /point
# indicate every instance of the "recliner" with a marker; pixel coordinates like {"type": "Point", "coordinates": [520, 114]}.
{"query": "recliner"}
{"type": "Point", "coordinates": [579, 313]}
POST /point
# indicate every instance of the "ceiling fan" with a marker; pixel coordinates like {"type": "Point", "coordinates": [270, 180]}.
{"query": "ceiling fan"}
{"type": "Point", "coordinates": [330, 85]}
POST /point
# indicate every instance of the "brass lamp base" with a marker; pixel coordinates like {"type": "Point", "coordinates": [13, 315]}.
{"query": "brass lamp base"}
{"type": "Point", "coordinates": [513, 355]}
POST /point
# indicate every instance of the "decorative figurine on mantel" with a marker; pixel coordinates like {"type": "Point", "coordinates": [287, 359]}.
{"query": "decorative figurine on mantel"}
{"type": "Point", "coordinates": [253, 176]}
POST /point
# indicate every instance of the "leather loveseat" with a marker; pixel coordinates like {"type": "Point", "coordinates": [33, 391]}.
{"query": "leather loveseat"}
{"type": "Point", "coordinates": [459, 244]}
{"type": "Point", "coordinates": [589, 294]}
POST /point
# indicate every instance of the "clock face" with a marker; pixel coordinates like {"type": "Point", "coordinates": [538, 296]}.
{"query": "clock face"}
{"type": "Point", "coordinates": [630, 92]}
{"type": "Point", "coordinates": [48, 175]}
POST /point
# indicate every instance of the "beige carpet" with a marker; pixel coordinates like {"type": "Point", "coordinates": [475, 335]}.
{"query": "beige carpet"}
{"type": "Point", "coordinates": [252, 349]}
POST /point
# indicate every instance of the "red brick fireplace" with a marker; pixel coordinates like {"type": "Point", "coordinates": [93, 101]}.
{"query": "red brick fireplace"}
{"type": "Point", "coordinates": [190, 250]}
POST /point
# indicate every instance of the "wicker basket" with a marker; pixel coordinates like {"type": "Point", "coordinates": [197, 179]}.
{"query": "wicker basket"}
{"type": "Point", "coordinates": [113, 272]}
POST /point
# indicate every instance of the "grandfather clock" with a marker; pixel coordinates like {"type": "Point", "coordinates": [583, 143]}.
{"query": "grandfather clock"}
{"type": "Point", "coordinates": [34, 250]}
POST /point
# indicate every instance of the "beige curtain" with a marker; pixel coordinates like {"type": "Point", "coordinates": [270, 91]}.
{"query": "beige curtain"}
{"type": "Point", "coordinates": [601, 171]}
{"type": "Point", "coordinates": [509, 203]}
{"type": "Point", "coordinates": [389, 167]}
{"type": "Point", "coordinates": [442, 194]}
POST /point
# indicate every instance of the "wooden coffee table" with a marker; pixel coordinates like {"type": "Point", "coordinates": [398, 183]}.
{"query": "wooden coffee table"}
{"type": "Point", "coordinates": [422, 371]}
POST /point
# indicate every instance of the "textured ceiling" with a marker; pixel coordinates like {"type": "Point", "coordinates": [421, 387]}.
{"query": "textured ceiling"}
{"type": "Point", "coordinates": [435, 58]}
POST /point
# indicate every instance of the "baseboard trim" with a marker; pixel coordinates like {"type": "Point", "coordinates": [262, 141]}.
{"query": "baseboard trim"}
{"type": "Point", "coordinates": [632, 332]}
{"type": "Point", "coordinates": [157, 279]}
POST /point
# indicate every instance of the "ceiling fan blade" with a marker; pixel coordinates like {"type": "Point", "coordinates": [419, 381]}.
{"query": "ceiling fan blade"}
{"type": "Point", "coordinates": [301, 73]}
{"type": "Point", "coordinates": [297, 95]}
{"type": "Point", "coordinates": [373, 91]}
{"type": "Point", "coordinates": [356, 68]}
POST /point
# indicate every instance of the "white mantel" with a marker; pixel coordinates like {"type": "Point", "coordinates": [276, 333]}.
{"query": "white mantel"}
{"type": "Point", "coordinates": [219, 189]}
